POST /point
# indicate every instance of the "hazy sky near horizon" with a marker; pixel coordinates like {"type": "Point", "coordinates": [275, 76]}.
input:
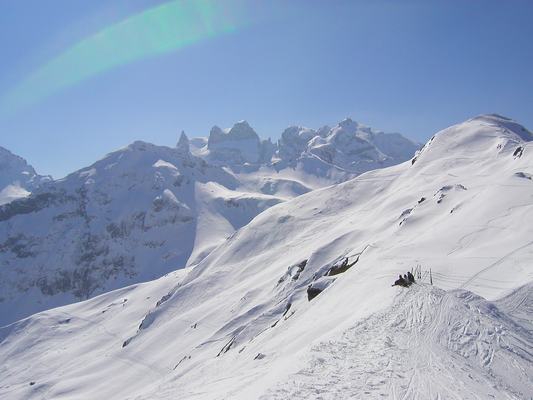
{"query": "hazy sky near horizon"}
{"type": "Point", "coordinates": [80, 78]}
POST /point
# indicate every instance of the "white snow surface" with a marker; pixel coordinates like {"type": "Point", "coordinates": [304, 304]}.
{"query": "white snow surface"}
{"type": "Point", "coordinates": [145, 210]}
{"type": "Point", "coordinates": [239, 325]}
{"type": "Point", "coordinates": [133, 216]}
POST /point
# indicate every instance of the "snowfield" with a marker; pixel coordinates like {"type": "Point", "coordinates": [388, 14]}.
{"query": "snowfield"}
{"type": "Point", "coordinates": [240, 325]}
{"type": "Point", "coordinates": [145, 210]}
{"type": "Point", "coordinates": [429, 344]}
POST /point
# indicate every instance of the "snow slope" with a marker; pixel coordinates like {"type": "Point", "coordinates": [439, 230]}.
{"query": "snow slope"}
{"type": "Point", "coordinates": [143, 211]}
{"type": "Point", "coordinates": [239, 325]}
{"type": "Point", "coordinates": [133, 216]}
{"type": "Point", "coordinates": [429, 344]}
{"type": "Point", "coordinates": [17, 177]}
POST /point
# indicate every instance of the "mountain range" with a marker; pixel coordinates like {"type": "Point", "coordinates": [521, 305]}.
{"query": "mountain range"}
{"type": "Point", "coordinates": [146, 210]}
{"type": "Point", "coordinates": [298, 303]}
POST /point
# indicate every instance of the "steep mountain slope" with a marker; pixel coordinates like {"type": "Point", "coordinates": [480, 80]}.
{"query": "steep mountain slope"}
{"type": "Point", "coordinates": [146, 210]}
{"type": "Point", "coordinates": [133, 216]}
{"type": "Point", "coordinates": [17, 177]}
{"type": "Point", "coordinates": [239, 325]}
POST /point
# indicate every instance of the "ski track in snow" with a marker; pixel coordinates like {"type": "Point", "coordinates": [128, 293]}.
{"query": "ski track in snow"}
{"type": "Point", "coordinates": [494, 264]}
{"type": "Point", "coordinates": [428, 345]}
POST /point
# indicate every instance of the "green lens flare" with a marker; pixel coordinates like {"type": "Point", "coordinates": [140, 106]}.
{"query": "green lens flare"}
{"type": "Point", "coordinates": [162, 29]}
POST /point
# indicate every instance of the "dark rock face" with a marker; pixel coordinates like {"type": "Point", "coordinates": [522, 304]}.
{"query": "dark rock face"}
{"type": "Point", "coordinates": [94, 255]}
{"type": "Point", "coordinates": [342, 267]}
{"type": "Point", "coordinates": [312, 292]}
{"type": "Point", "coordinates": [32, 204]}
{"type": "Point", "coordinates": [518, 152]}
{"type": "Point", "coordinates": [20, 245]}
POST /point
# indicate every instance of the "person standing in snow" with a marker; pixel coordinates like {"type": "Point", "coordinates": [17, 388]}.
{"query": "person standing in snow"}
{"type": "Point", "coordinates": [410, 277]}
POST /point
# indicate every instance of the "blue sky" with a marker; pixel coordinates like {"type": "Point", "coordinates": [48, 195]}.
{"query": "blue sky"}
{"type": "Point", "coordinates": [406, 66]}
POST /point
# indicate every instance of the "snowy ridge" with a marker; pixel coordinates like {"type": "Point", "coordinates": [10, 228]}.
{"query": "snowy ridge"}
{"type": "Point", "coordinates": [429, 344]}
{"type": "Point", "coordinates": [349, 145]}
{"type": "Point", "coordinates": [143, 211]}
{"type": "Point", "coordinates": [240, 325]}
{"type": "Point", "coordinates": [135, 215]}
{"type": "Point", "coordinates": [348, 149]}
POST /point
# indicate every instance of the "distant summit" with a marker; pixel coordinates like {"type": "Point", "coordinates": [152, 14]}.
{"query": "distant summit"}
{"type": "Point", "coordinates": [183, 142]}
{"type": "Point", "coordinates": [238, 145]}
{"type": "Point", "coordinates": [347, 148]}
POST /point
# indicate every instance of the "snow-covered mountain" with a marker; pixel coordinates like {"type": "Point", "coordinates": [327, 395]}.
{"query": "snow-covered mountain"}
{"type": "Point", "coordinates": [17, 177]}
{"type": "Point", "coordinates": [146, 210]}
{"type": "Point", "coordinates": [236, 146]}
{"type": "Point", "coordinates": [298, 303]}
{"type": "Point", "coordinates": [346, 150]}
{"type": "Point", "coordinates": [349, 146]}
{"type": "Point", "coordinates": [133, 216]}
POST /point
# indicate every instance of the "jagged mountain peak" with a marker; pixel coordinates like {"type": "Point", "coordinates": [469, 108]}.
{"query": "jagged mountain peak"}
{"type": "Point", "coordinates": [236, 146]}
{"type": "Point", "coordinates": [348, 123]}
{"type": "Point", "coordinates": [297, 130]}
{"type": "Point", "coordinates": [183, 142]}
{"type": "Point", "coordinates": [242, 130]}
{"type": "Point", "coordinates": [348, 148]}
{"type": "Point", "coordinates": [216, 131]}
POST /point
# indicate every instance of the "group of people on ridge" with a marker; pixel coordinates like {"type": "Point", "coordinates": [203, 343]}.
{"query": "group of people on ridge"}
{"type": "Point", "coordinates": [406, 280]}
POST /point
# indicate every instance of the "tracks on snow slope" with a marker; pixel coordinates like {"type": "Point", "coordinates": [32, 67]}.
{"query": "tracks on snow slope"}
{"type": "Point", "coordinates": [430, 344]}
